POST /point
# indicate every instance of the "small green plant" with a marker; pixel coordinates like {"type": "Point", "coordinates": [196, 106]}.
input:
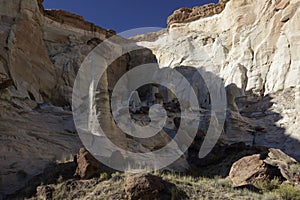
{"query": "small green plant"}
{"type": "Point", "coordinates": [226, 183]}
{"type": "Point", "coordinates": [157, 173]}
{"type": "Point", "coordinates": [64, 159]}
{"type": "Point", "coordinates": [60, 179]}
{"type": "Point", "coordinates": [116, 174]}
{"type": "Point", "coordinates": [104, 176]}
{"type": "Point", "coordinates": [71, 158]}
{"type": "Point", "coordinates": [187, 180]}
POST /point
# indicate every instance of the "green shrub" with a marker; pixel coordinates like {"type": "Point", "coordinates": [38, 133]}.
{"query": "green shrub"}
{"type": "Point", "coordinates": [295, 171]}
{"type": "Point", "coordinates": [288, 192]}
{"type": "Point", "coordinates": [270, 196]}
{"type": "Point", "coordinates": [268, 185]}
{"type": "Point", "coordinates": [226, 183]}
{"type": "Point", "coordinates": [116, 174]}
{"type": "Point", "coordinates": [103, 176]}
{"type": "Point", "coordinates": [60, 179]}
{"type": "Point", "coordinates": [64, 159]}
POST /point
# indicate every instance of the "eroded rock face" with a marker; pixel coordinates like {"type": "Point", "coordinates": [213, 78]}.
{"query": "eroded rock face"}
{"type": "Point", "coordinates": [76, 21]}
{"type": "Point", "coordinates": [246, 42]}
{"type": "Point", "coordinates": [261, 167]}
{"type": "Point", "coordinates": [284, 163]}
{"type": "Point", "coordinates": [255, 45]}
{"type": "Point", "coordinates": [252, 45]}
{"type": "Point", "coordinates": [184, 15]}
{"type": "Point", "coordinates": [39, 58]}
{"type": "Point", "coordinates": [251, 169]}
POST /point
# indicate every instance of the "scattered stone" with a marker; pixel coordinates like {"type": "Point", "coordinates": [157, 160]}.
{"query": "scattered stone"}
{"type": "Point", "coordinates": [251, 169]}
{"type": "Point", "coordinates": [87, 165]}
{"type": "Point", "coordinates": [144, 186]}
{"type": "Point", "coordinates": [260, 167]}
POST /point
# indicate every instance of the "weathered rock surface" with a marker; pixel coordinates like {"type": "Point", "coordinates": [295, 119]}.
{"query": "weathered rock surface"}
{"type": "Point", "coordinates": [76, 21]}
{"type": "Point", "coordinates": [184, 15]}
{"type": "Point", "coordinates": [252, 45]}
{"type": "Point", "coordinates": [39, 57]}
{"type": "Point", "coordinates": [147, 186]}
{"type": "Point", "coordinates": [260, 167]}
{"type": "Point", "coordinates": [289, 167]}
{"type": "Point", "coordinates": [255, 45]}
{"type": "Point", "coordinates": [87, 165]}
{"type": "Point", "coordinates": [251, 169]}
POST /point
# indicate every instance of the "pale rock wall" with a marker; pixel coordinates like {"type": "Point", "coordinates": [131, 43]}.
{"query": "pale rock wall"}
{"type": "Point", "coordinates": [39, 59]}
{"type": "Point", "coordinates": [249, 38]}
{"type": "Point", "coordinates": [254, 44]}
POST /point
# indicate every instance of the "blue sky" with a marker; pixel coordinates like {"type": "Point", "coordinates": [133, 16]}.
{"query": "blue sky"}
{"type": "Point", "coordinates": [121, 15]}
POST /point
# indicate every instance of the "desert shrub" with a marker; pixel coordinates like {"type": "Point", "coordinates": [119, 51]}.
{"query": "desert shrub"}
{"type": "Point", "coordinates": [226, 183]}
{"type": "Point", "coordinates": [268, 185]}
{"type": "Point", "coordinates": [270, 196]}
{"type": "Point", "coordinates": [116, 174]}
{"type": "Point", "coordinates": [64, 159]}
{"type": "Point", "coordinates": [60, 179]}
{"type": "Point", "coordinates": [103, 176]}
{"type": "Point", "coordinates": [288, 192]}
{"type": "Point", "coordinates": [295, 172]}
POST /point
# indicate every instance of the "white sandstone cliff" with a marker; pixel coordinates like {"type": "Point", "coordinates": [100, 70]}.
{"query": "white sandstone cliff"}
{"type": "Point", "coordinates": [254, 44]}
